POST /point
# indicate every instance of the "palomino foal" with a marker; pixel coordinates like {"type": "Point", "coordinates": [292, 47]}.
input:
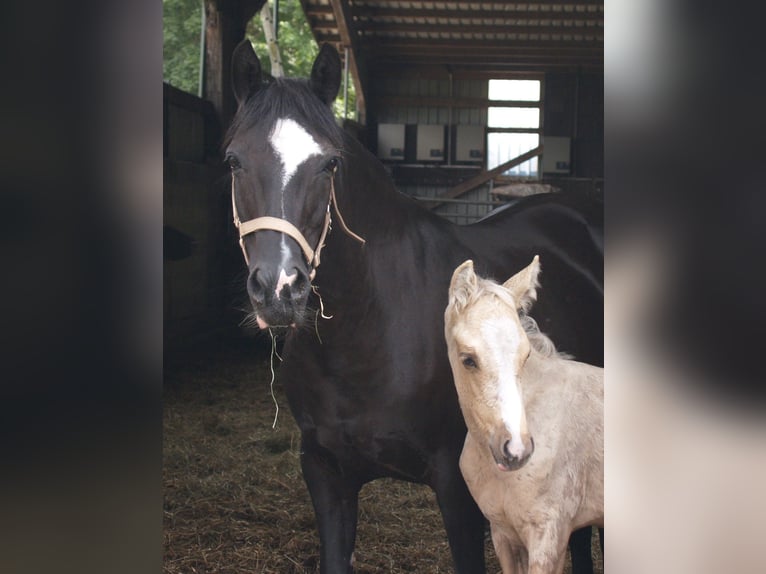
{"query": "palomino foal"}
{"type": "Point", "coordinates": [513, 386]}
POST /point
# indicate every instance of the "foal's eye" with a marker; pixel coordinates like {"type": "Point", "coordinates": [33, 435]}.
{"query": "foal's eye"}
{"type": "Point", "coordinates": [468, 362]}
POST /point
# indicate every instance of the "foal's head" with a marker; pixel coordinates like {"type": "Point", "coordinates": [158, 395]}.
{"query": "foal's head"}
{"type": "Point", "coordinates": [283, 148]}
{"type": "Point", "coordinates": [488, 347]}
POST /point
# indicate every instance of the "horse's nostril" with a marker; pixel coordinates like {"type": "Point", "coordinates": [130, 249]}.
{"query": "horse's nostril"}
{"type": "Point", "coordinates": [255, 286]}
{"type": "Point", "coordinates": [301, 284]}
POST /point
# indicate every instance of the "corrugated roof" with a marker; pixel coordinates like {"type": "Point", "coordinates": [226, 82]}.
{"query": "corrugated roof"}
{"type": "Point", "coordinates": [386, 35]}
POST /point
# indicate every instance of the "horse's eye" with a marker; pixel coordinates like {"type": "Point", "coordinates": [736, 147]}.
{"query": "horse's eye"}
{"type": "Point", "coordinates": [331, 165]}
{"type": "Point", "coordinates": [232, 161]}
{"type": "Point", "coordinates": [468, 362]}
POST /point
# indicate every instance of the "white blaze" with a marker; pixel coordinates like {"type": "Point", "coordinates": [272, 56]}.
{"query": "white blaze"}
{"type": "Point", "coordinates": [293, 145]}
{"type": "Point", "coordinates": [503, 345]}
{"type": "Point", "coordinates": [284, 279]}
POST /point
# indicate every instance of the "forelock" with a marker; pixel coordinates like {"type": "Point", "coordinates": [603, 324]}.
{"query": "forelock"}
{"type": "Point", "coordinates": [287, 98]}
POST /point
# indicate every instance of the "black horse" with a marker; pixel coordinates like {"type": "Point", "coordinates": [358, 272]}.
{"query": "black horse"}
{"type": "Point", "coordinates": [365, 362]}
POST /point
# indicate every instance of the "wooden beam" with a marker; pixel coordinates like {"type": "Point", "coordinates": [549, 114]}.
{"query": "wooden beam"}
{"type": "Point", "coordinates": [458, 28]}
{"type": "Point", "coordinates": [312, 9]}
{"type": "Point", "coordinates": [225, 22]}
{"type": "Point", "coordinates": [562, 3]}
{"type": "Point", "coordinates": [511, 57]}
{"type": "Point", "coordinates": [444, 102]}
{"type": "Point", "coordinates": [462, 45]}
{"type": "Point", "coordinates": [374, 13]}
{"type": "Point", "coordinates": [518, 56]}
{"type": "Point", "coordinates": [485, 176]}
{"type": "Point", "coordinates": [508, 59]}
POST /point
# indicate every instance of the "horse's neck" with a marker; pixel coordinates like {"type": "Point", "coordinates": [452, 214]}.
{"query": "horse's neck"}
{"type": "Point", "coordinates": [367, 191]}
{"type": "Point", "coordinates": [363, 200]}
{"type": "Point", "coordinates": [371, 208]}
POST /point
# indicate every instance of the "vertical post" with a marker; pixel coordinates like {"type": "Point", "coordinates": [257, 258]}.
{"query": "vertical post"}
{"type": "Point", "coordinates": [449, 119]}
{"type": "Point", "coordinates": [224, 29]}
{"type": "Point", "coordinates": [271, 41]}
{"type": "Point", "coordinates": [345, 82]}
{"type": "Point", "coordinates": [202, 35]}
{"type": "Point", "coordinates": [222, 32]}
{"type": "Point", "coordinates": [276, 20]}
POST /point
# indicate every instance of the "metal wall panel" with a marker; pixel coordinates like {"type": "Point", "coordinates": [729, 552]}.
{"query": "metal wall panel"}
{"type": "Point", "coordinates": [472, 206]}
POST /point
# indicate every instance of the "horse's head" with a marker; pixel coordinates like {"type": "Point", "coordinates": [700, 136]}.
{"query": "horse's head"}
{"type": "Point", "coordinates": [283, 150]}
{"type": "Point", "coordinates": [488, 347]}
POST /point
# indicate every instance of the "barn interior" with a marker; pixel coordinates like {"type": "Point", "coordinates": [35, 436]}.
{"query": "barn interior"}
{"type": "Point", "coordinates": [425, 89]}
{"type": "Point", "coordinates": [422, 75]}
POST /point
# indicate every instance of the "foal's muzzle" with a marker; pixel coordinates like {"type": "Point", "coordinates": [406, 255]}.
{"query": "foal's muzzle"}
{"type": "Point", "coordinates": [507, 460]}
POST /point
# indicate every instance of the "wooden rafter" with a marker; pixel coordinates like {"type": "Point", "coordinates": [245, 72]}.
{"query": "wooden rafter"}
{"type": "Point", "coordinates": [367, 13]}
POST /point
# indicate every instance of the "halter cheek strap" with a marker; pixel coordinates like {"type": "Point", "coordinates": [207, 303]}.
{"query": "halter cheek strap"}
{"type": "Point", "coordinates": [284, 226]}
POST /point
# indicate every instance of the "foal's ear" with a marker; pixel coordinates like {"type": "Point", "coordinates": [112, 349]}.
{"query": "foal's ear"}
{"type": "Point", "coordinates": [463, 281]}
{"type": "Point", "coordinates": [246, 74]}
{"type": "Point", "coordinates": [523, 285]}
{"type": "Point", "coordinates": [325, 74]}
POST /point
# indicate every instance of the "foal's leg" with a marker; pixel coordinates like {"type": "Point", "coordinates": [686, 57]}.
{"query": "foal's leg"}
{"type": "Point", "coordinates": [548, 551]}
{"type": "Point", "coordinates": [463, 520]}
{"type": "Point", "coordinates": [505, 553]}
{"type": "Point", "coordinates": [562, 560]}
{"type": "Point", "coordinates": [580, 549]}
{"type": "Point", "coordinates": [335, 498]}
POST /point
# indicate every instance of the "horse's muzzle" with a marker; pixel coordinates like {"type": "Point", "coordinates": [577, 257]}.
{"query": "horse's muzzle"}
{"type": "Point", "coordinates": [278, 298]}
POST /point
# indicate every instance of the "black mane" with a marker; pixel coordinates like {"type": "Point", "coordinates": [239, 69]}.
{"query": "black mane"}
{"type": "Point", "coordinates": [287, 98]}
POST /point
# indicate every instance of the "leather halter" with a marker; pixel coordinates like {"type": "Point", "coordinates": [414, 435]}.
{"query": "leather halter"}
{"type": "Point", "coordinates": [284, 226]}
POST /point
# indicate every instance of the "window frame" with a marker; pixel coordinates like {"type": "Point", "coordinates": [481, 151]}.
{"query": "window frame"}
{"type": "Point", "coordinates": [539, 104]}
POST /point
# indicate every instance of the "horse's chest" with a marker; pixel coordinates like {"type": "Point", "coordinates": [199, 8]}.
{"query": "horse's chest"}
{"type": "Point", "coordinates": [363, 444]}
{"type": "Point", "coordinates": [371, 431]}
{"type": "Point", "coordinates": [386, 416]}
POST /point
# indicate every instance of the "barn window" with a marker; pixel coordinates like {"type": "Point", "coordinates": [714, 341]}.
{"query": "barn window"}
{"type": "Point", "coordinates": [513, 124]}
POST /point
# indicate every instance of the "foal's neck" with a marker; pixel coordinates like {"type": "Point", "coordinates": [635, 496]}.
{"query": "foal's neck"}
{"type": "Point", "coordinates": [540, 372]}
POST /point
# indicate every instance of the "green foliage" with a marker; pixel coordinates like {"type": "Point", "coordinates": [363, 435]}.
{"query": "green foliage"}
{"type": "Point", "coordinates": [296, 43]}
{"type": "Point", "coordinates": [297, 47]}
{"type": "Point", "coordinates": [181, 23]}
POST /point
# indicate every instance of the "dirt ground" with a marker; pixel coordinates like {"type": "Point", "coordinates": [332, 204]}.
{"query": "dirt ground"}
{"type": "Point", "coordinates": [234, 497]}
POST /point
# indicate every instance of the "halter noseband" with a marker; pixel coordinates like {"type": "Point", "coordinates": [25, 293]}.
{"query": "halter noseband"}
{"type": "Point", "coordinates": [284, 226]}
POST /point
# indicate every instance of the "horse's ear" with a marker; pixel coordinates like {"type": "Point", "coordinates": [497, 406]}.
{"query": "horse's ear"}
{"type": "Point", "coordinates": [325, 74]}
{"type": "Point", "coordinates": [523, 285]}
{"type": "Point", "coordinates": [246, 74]}
{"type": "Point", "coordinates": [463, 282]}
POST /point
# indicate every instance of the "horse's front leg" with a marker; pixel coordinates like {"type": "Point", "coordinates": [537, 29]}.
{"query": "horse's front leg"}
{"type": "Point", "coordinates": [335, 497]}
{"type": "Point", "coordinates": [463, 520]}
{"type": "Point", "coordinates": [580, 551]}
